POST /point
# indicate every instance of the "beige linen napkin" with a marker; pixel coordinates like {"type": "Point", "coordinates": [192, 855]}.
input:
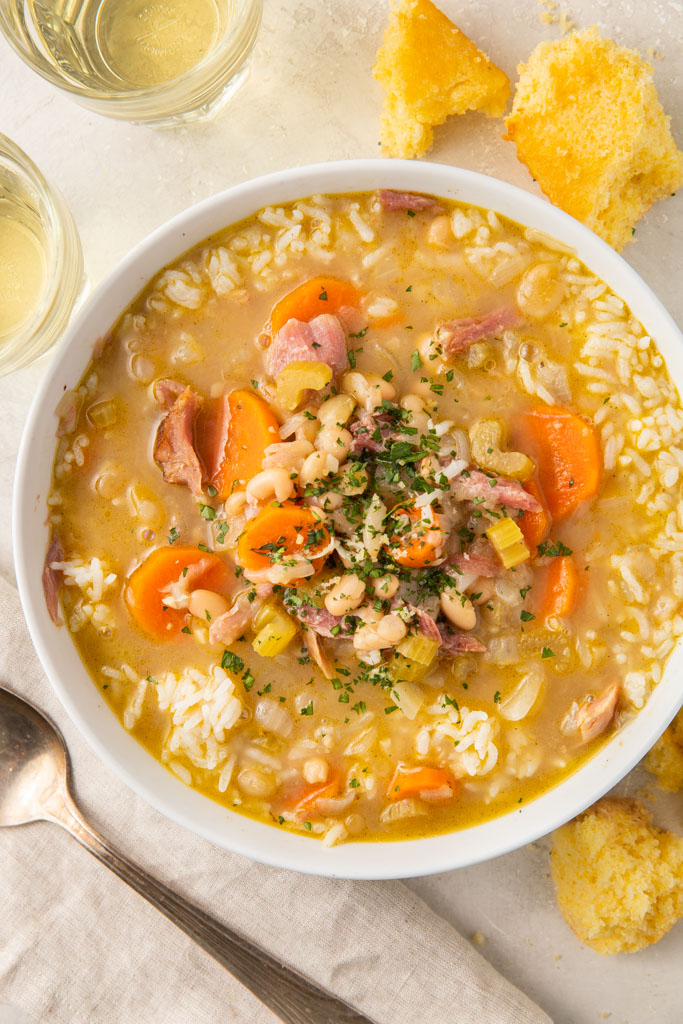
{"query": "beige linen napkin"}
{"type": "Point", "coordinates": [78, 947]}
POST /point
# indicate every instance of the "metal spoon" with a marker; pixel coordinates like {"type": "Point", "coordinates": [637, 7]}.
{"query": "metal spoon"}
{"type": "Point", "coordinates": [34, 786]}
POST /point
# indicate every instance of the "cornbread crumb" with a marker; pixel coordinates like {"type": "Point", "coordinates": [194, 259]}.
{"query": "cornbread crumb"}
{"type": "Point", "coordinates": [429, 70]}
{"type": "Point", "coordinates": [587, 123]}
{"type": "Point", "coordinates": [619, 879]}
{"type": "Point", "coordinates": [479, 939]}
{"type": "Point", "coordinates": [665, 760]}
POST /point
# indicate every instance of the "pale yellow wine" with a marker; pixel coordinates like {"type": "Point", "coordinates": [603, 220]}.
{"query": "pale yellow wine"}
{"type": "Point", "coordinates": [23, 272]}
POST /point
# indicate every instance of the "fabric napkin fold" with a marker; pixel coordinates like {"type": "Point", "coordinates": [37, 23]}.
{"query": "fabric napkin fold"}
{"type": "Point", "coordinates": [78, 947]}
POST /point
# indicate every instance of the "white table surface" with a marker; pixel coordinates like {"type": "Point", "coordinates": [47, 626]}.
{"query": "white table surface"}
{"type": "Point", "coordinates": [311, 97]}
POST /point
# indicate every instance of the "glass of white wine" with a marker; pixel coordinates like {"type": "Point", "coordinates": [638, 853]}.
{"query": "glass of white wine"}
{"type": "Point", "coordinates": [41, 264]}
{"type": "Point", "coordinates": [153, 62]}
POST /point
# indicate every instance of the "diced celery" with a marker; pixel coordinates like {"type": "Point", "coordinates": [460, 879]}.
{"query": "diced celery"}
{"type": "Point", "coordinates": [401, 668]}
{"type": "Point", "coordinates": [418, 648]}
{"type": "Point", "coordinates": [297, 377]}
{"type": "Point", "coordinates": [408, 697]}
{"type": "Point", "coordinates": [268, 611]}
{"type": "Point", "coordinates": [508, 542]}
{"type": "Point", "coordinates": [275, 636]}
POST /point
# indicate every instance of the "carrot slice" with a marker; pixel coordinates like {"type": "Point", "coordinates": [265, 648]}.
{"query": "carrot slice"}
{"type": "Point", "coordinates": [163, 567]}
{"type": "Point", "coordinates": [251, 427]}
{"type": "Point", "coordinates": [567, 456]}
{"type": "Point", "coordinates": [560, 588]}
{"type": "Point", "coordinates": [303, 800]}
{"type": "Point", "coordinates": [279, 533]}
{"type": "Point", "coordinates": [534, 525]}
{"type": "Point", "coordinates": [310, 299]}
{"type": "Point", "coordinates": [414, 541]}
{"type": "Point", "coordinates": [412, 780]}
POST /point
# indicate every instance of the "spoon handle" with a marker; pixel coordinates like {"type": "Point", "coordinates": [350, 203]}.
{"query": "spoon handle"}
{"type": "Point", "coordinates": [291, 996]}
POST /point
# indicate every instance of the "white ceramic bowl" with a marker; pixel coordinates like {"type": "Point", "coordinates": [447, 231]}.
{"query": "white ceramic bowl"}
{"type": "Point", "coordinates": [58, 655]}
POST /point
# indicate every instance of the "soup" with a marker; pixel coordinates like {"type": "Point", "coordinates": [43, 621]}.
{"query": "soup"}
{"type": "Point", "coordinates": [365, 516]}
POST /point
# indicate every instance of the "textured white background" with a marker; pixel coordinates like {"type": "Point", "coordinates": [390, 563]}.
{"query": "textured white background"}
{"type": "Point", "coordinates": [311, 97]}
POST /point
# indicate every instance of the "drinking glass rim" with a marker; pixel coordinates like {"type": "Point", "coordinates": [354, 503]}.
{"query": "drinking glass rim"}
{"type": "Point", "coordinates": [244, 23]}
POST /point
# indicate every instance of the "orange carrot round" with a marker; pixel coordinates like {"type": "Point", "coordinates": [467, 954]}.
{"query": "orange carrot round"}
{"type": "Point", "coordinates": [567, 456]}
{"type": "Point", "coordinates": [251, 428]}
{"type": "Point", "coordinates": [534, 525]}
{"type": "Point", "coordinates": [560, 588]}
{"type": "Point", "coordinates": [310, 299]}
{"type": "Point", "coordinates": [304, 798]}
{"type": "Point", "coordinates": [412, 780]}
{"type": "Point", "coordinates": [162, 567]}
{"type": "Point", "coordinates": [414, 540]}
{"type": "Point", "coordinates": [274, 536]}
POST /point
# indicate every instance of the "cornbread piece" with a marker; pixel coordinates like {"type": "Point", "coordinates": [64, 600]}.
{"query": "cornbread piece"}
{"type": "Point", "coordinates": [587, 123]}
{"type": "Point", "coordinates": [619, 879]}
{"type": "Point", "coordinates": [665, 760]}
{"type": "Point", "coordinates": [429, 69]}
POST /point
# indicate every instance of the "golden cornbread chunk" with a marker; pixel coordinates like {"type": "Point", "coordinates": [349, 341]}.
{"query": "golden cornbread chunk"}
{"type": "Point", "coordinates": [665, 760]}
{"type": "Point", "coordinates": [587, 123]}
{"type": "Point", "coordinates": [619, 879]}
{"type": "Point", "coordinates": [429, 70]}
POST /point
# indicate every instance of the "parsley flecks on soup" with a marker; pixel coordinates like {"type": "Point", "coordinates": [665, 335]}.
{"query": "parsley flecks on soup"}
{"type": "Point", "coordinates": [365, 518]}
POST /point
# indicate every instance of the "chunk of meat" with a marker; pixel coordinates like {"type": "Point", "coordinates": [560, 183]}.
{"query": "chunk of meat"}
{"type": "Point", "coordinates": [177, 593]}
{"type": "Point", "coordinates": [231, 625]}
{"type": "Point", "coordinates": [317, 653]}
{"type": "Point", "coordinates": [166, 391]}
{"type": "Point", "coordinates": [495, 490]}
{"type": "Point", "coordinates": [458, 643]}
{"type": "Point", "coordinates": [320, 340]}
{"type": "Point", "coordinates": [390, 199]}
{"type": "Point", "coordinates": [456, 336]}
{"type": "Point", "coordinates": [426, 626]}
{"type": "Point", "coordinates": [371, 433]}
{"type": "Point", "coordinates": [321, 621]}
{"type": "Point", "coordinates": [52, 578]}
{"type": "Point", "coordinates": [478, 565]}
{"type": "Point", "coordinates": [596, 713]}
{"type": "Point", "coordinates": [174, 450]}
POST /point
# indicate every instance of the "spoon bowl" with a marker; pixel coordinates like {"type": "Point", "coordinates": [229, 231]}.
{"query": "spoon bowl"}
{"type": "Point", "coordinates": [34, 786]}
{"type": "Point", "coordinates": [33, 763]}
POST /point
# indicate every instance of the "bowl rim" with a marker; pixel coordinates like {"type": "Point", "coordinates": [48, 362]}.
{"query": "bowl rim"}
{"type": "Point", "coordinates": [77, 691]}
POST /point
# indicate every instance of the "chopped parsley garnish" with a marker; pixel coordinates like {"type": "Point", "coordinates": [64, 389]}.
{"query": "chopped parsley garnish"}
{"type": "Point", "coordinates": [409, 288]}
{"type": "Point", "coordinates": [232, 662]}
{"type": "Point", "coordinates": [526, 616]}
{"type": "Point", "coordinates": [496, 697]}
{"type": "Point", "coordinates": [323, 296]}
{"type": "Point", "coordinates": [203, 547]}
{"type": "Point", "coordinates": [554, 550]}
{"type": "Point", "coordinates": [151, 679]}
{"type": "Point", "coordinates": [359, 334]}
{"type": "Point", "coordinates": [173, 535]}
{"type": "Point", "coordinates": [388, 376]}
{"type": "Point", "coordinates": [207, 512]}
{"type": "Point", "coordinates": [547, 653]}
{"type": "Point", "coordinates": [308, 710]}
{"type": "Point", "coordinates": [415, 360]}
{"type": "Point", "coordinates": [524, 591]}
{"type": "Point", "coordinates": [354, 783]}
{"type": "Point", "coordinates": [307, 826]}
{"type": "Point", "coordinates": [248, 680]}
{"type": "Point", "coordinates": [411, 213]}
{"type": "Point", "coordinates": [186, 629]}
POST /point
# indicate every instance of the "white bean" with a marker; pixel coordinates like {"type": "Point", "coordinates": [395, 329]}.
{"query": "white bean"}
{"type": "Point", "coordinates": [389, 631]}
{"type": "Point", "coordinates": [419, 418]}
{"type": "Point", "coordinates": [289, 454]}
{"type": "Point", "coordinates": [207, 604]}
{"type": "Point", "coordinates": [384, 587]}
{"type": "Point", "coordinates": [353, 479]}
{"type": "Point", "coordinates": [345, 595]}
{"type": "Point", "coordinates": [317, 466]}
{"type": "Point", "coordinates": [458, 609]}
{"type": "Point", "coordinates": [368, 389]}
{"type": "Point", "coordinates": [234, 505]}
{"type": "Point", "coordinates": [336, 411]}
{"type": "Point", "coordinates": [334, 441]}
{"type": "Point", "coordinates": [275, 482]}
{"type": "Point", "coordinates": [256, 782]}
{"type": "Point", "coordinates": [439, 234]}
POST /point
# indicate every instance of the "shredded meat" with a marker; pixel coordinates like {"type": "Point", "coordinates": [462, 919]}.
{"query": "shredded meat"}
{"type": "Point", "coordinates": [495, 490]}
{"type": "Point", "coordinates": [317, 653]}
{"type": "Point", "coordinates": [426, 625]}
{"type": "Point", "coordinates": [457, 643]}
{"type": "Point", "coordinates": [456, 336]}
{"type": "Point", "coordinates": [52, 578]}
{"type": "Point", "coordinates": [479, 565]}
{"type": "Point", "coordinates": [596, 713]}
{"type": "Point", "coordinates": [392, 200]}
{"type": "Point", "coordinates": [321, 621]}
{"type": "Point", "coordinates": [174, 451]}
{"type": "Point", "coordinates": [320, 340]}
{"type": "Point", "coordinates": [371, 433]}
{"type": "Point", "coordinates": [166, 391]}
{"type": "Point", "coordinates": [229, 626]}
